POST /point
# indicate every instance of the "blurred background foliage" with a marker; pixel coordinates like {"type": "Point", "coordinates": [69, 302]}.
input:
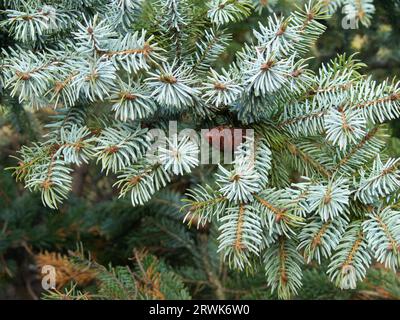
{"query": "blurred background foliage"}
{"type": "Point", "coordinates": [147, 252]}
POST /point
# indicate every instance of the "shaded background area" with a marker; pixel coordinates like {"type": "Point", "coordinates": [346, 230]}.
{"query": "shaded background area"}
{"type": "Point", "coordinates": [152, 240]}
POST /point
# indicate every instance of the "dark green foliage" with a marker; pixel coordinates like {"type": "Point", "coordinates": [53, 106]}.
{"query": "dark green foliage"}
{"type": "Point", "coordinates": [148, 252]}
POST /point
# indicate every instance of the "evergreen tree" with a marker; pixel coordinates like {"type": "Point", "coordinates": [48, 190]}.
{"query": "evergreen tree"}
{"type": "Point", "coordinates": [313, 184]}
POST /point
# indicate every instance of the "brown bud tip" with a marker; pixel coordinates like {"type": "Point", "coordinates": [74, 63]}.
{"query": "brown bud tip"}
{"type": "Point", "coordinates": [129, 96]}
{"type": "Point", "coordinates": [219, 86]}
{"type": "Point", "coordinates": [267, 65]}
{"type": "Point", "coordinates": [111, 150]}
{"type": "Point", "coordinates": [168, 79]}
